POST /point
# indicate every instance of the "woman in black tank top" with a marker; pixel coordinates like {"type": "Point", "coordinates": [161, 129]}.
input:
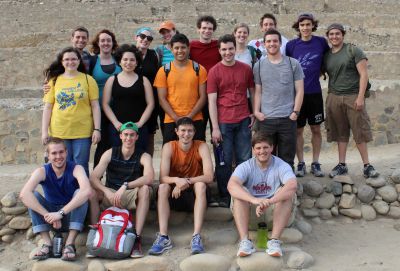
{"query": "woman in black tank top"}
{"type": "Point", "coordinates": [128, 96]}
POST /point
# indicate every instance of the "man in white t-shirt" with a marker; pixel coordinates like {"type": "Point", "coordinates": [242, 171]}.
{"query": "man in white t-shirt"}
{"type": "Point", "coordinates": [265, 181]}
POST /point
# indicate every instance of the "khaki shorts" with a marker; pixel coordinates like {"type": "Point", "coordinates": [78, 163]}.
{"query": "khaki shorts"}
{"type": "Point", "coordinates": [128, 200]}
{"type": "Point", "coordinates": [341, 116]}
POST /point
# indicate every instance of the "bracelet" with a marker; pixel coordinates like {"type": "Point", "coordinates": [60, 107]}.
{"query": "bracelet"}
{"type": "Point", "coordinates": [98, 130]}
{"type": "Point", "coordinates": [188, 181]}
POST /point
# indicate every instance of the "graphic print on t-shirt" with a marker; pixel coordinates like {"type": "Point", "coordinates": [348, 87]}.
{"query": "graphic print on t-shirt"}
{"type": "Point", "coordinates": [306, 60]}
{"type": "Point", "coordinates": [261, 189]}
{"type": "Point", "coordinates": [66, 97]}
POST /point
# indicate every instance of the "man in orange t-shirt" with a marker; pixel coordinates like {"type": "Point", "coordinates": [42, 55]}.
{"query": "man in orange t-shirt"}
{"type": "Point", "coordinates": [186, 169]}
{"type": "Point", "coordinates": [181, 89]}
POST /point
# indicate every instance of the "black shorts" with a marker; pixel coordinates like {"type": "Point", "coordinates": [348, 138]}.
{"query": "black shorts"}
{"type": "Point", "coordinates": [185, 203]}
{"type": "Point", "coordinates": [312, 110]}
{"type": "Point", "coordinates": [169, 133]}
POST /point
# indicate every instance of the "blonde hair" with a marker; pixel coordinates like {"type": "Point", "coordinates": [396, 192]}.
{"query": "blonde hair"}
{"type": "Point", "coordinates": [240, 25]}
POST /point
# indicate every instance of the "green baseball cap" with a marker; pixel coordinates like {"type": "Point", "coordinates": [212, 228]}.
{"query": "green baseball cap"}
{"type": "Point", "coordinates": [129, 125]}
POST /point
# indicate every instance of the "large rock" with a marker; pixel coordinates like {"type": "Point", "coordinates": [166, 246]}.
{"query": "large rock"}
{"type": "Point", "coordinates": [325, 201]}
{"type": "Point", "coordinates": [300, 260]}
{"type": "Point", "coordinates": [325, 214]}
{"type": "Point", "coordinates": [4, 219]}
{"type": "Point", "coordinates": [300, 189]}
{"type": "Point", "coordinates": [303, 226]}
{"type": "Point", "coordinates": [376, 182]}
{"type": "Point", "coordinates": [4, 268]}
{"type": "Point", "coordinates": [9, 200]}
{"type": "Point", "coordinates": [343, 179]}
{"type": "Point", "coordinates": [16, 210]}
{"type": "Point", "coordinates": [20, 223]}
{"type": "Point", "coordinates": [260, 261]}
{"type": "Point", "coordinates": [313, 188]}
{"type": "Point", "coordinates": [388, 193]}
{"type": "Point", "coordinates": [337, 188]}
{"type": "Point", "coordinates": [395, 177]}
{"type": "Point", "coordinates": [368, 212]}
{"type": "Point", "coordinates": [335, 211]}
{"type": "Point", "coordinates": [57, 264]}
{"type": "Point", "coordinates": [7, 231]}
{"type": "Point", "coordinates": [381, 207]}
{"type": "Point", "coordinates": [394, 212]}
{"type": "Point", "coordinates": [307, 203]}
{"type": "Point", "coordinates": [291, 235]}
{"type": "Point", "coordinates": [205, 262]}
{"type": "Point", "coordinates": [310, 212]}
{"type": "Point", "coordinates": [7, 238]}
{"type": "Point", "coordinates": [366, 193]}
{"type": "Point", "coordinates": [96, 265]}
{"type": "Point", "coordinates": [347, 188]}
{"type": "Point", "coordinates": [347, 201]}
{"type": "Point", "coordinates": [148, 263]}
{"type": "Point", "coordinates": [353, 213]}
{"type": "Point", "coordinates": [218, 214]}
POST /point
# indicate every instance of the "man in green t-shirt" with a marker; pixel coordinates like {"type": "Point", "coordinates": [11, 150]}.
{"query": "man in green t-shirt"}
{"type": "Point", "coordinates": [346, 66]}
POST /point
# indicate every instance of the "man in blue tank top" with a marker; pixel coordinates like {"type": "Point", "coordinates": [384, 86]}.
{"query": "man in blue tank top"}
{"type": "Point", "coordinates": [64, 204]}
{"type": "Point", "coordinates": [129, 177]}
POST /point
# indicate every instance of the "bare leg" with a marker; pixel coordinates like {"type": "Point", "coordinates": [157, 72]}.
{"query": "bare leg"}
{"type": "Point", "coordinates": [164, 190]}
{"type": "Point", "coordinates": [282, 212]}
{"type": "Point", "coordinates": [142, 207]}
{"type": "Point", "coordinates": [342, 148]}
{"type": "Point", "coordinates": [200, 206]}
{"type": "Point", "coordinates": [95, 206]}
{"type": "Point", "coordinates": [316, 141]}
{"type": "Point", "coordinates": [241, 210]}
{"type": "Point", "coordinates": [363, 149]}
{"type": "Point", "coordinates": [71, 237]}
{"type": "Point", "coordinates": [46, 237]}
{"type": "Point", "coordinates": [300, 144]}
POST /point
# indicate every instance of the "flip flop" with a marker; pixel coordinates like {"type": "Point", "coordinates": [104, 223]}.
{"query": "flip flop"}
{"type": "Point", "coordinates": [45, 252]}
{"type": "Point", "coordinates": [69, 250]}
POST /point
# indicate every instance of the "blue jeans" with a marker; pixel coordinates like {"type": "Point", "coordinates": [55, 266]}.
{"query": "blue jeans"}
{"type": "Point", "coordinates": [79, 151]}
{"type": "Point", "coordinates": [236, 142]}
{"type": "Point", "coordinates": [141, 143]}
{"type": "Point", "coordinates": [72, 221]}
{"type": "Point", "coordinates": [283, 130]}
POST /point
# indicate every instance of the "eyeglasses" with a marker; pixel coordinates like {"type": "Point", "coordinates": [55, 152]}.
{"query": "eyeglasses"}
{"type": "Point", "coordinates": [144, 36]}
{"type": "Point", "coordinates": [70, 59]}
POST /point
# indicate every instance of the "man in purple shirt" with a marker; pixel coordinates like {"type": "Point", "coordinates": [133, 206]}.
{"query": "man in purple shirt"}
{"type": "Point", "coordinates": [309, 51]}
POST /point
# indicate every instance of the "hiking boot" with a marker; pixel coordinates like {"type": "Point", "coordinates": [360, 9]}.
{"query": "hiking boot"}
{"type": "Point", "coordinates": [137, 248]}
{"type": "Point", "coordinates": [160, 245]}
{"type": "Point", "coordinates": [338, 170]}
{"type": "Point", "coordinates": [370, 172]}
{"type": "Point", "coordinates": [246, 248]}
{"type": "Point", "coordinates": [274, 248]}
{"type": "Point", "coordinates": [196, 244]}
{"type": "Point", "coordinates": [316, 169]}
{"type": "Point", "coordinates": [301, 169]}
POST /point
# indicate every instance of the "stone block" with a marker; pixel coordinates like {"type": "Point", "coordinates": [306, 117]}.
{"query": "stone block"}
{"type": "Point", "coordinates": [20, 223]}
{"type": "Point", "coordinates": [388, 193]}
{"type": "Point", "coordinates": [300, 260]}
{"type": "Point", "coordinates": [205, 262]}
{"type": "Point", "coordinates": [148, 263]}
{"type": "Point", "coordinates": [259, 259]}
{"type": "Point", "coordinates": [347, 201]}
{"type": "Point", "coordinates": [9, 200]}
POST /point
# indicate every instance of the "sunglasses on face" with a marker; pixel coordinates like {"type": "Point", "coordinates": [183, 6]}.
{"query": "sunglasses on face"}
{"type": "Point", "coordinates": [143, 36]}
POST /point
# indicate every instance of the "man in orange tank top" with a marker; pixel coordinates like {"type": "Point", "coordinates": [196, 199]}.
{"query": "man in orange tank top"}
{"type": "Point", "coordinates": [186, 169]}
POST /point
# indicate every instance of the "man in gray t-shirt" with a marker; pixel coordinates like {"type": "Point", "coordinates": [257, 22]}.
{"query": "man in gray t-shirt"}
{"type": "Point", "coordinates": [264, 181]}
{"type": "Point", "coordinates": [278, 96]}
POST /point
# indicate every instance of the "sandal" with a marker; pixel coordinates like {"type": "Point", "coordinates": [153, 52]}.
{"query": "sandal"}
{"type": "Point", "coordinates": [43, 253]}
{"type": "Point", "coordinates": [69, 253]}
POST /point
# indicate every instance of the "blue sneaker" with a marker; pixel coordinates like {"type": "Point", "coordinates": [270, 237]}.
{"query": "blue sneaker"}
{"type": "Point", "coordinates": [160, 245]}
{"type": "Point", "coordinates": [196, 244]}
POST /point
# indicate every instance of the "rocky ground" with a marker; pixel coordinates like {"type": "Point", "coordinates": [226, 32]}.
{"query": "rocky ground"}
{"type": "Point", "coordinates": [352, 229]}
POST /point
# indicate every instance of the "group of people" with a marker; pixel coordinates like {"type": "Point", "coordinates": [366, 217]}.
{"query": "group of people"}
{"type": "Point", "coordinates": [257, 95]}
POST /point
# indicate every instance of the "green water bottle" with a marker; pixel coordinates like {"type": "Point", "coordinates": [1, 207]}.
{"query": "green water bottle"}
{"type": "Point", "coordinates": [262, 235]}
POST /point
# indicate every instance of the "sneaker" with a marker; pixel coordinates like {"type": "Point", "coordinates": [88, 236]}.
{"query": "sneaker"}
{"type": "Point", "coordinates": [224, 202]}
{"type": "Point", "coordinates": [370, 172]}
{"type": "Point", "coordinates": [338, 170]}
{"type": "Point", "coordinates": [301, 169]}
{"type": "Point", "coordinates": [213, 202]}
{"type": "Point", "coordinates": [160, 245]}
{"type": "Point", "coordinates": [316, 169]}
{"type": "Point", "coordinates": [89, 255]}
{"type": "Point", "coordinates": [274, 248]}
{"type": "Point", "coordinates": [196, 244]}
{"type": "Point", "coordinates": [246, 248]}
{"type": "Point", "coordinates": [137, 249]}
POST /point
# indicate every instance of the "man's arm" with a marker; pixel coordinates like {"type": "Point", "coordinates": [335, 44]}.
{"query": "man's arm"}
{"type": "Point", "coordinates": [257, 103]}
{"type": "Point", "coordinates": [212, 107]}
{"type": "Point", "coordinates": [148, 172]}
{"type": "Point", "coordinates": [237, 191]}
{"type": "Point", "coordinates": [200, 102]}
{"type": "Point", "coordinates": [286, 192]}
{"type": "Point", "coordinates": [98, 171]}
{"type": "Point", "coordinates": [208, 172]}
{"type": "Point", "coordinates": [298, 100]}
{"type": "Point", "coordinates": [96, 137]}
{"type": "Point", "coordinates": [362, 71]}
{"type": "Point", "coordinates": [162, 98]}
{"type": "Point", "coordinates": [26, 195]}
{"type": "Point", "coordinates": [165, 167]}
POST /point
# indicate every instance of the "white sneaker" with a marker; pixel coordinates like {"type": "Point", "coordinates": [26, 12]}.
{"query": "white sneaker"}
{"type": "Point", "coordinates": [246, 248]}
{"type": "Point", "coordinates": [274, 248]}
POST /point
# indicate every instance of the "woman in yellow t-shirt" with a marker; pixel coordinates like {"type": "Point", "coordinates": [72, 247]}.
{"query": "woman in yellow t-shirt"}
{"type": "Point", "coordinates": [71, 109]}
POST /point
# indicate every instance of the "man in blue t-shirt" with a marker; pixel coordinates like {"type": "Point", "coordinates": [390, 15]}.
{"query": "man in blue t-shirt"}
{"type": "Point", "coordinates": [264, 181]}
{"type": "Point", "coordinates": [64, 205]}
{"type": "Point", "coordinates": [309, 51]}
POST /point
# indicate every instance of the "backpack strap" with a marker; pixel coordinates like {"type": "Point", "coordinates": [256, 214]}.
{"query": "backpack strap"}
{"type": "Point", "coordinates": [160, 54]}
{"type": "Point", "coordinates": [92, 63]}
{"type": "Point", "coordinates": [196, 67]}
{"type": "Point", "coordinates": [253, 54]}
{"type": "Point", "coordinates": [167, 69]}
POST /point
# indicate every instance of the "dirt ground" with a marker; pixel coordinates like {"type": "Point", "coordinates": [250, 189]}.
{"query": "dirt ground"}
{"type": "Point", "coordinates": [340, 244]}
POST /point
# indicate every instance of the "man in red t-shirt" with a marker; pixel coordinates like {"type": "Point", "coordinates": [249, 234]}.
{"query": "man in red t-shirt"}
{"type": "Point", "coordinates": [227, 86]}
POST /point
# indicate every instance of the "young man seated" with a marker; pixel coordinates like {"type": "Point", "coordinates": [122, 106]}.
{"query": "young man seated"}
{"type": "Point", "coordinates": [186, 169]}
{"type": "Point", "coordinates": [264, 181]}
{"type": "Point", "coordinates": [129, 178]}
{"type": "Point", "coordinates": [64, 204]}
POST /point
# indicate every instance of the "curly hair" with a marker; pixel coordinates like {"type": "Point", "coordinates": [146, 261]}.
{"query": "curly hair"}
{"type": "Point", "coordinates": [95, 42]}
{"type": "Point", "coordinates": [124, 48]}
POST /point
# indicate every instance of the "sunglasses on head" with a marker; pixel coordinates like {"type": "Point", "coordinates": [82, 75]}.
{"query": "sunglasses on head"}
{"type": "Point", "coordinates": [144, 36]}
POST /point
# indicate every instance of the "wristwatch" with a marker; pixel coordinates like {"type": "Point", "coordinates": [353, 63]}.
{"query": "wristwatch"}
{"type": "Point", "coordinates": [126, 184]}
{"type": "Point", "coordinates": [61, 212]}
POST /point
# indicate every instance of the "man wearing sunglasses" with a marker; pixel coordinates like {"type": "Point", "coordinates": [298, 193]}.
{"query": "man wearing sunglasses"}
{"type": "Point", "coordinates": [129, 177]}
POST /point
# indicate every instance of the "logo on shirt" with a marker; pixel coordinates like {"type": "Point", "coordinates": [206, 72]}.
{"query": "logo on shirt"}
{"type": "Point", "coordinates": [261, 188]}
{"type": "Point", "coordinates": [65, 100]}
{"type": "Point", "coordinates": [307, 60]}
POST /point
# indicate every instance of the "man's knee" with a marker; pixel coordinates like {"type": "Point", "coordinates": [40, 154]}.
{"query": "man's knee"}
{"type": "Point", "coordinates": [200, 188]}
{"type": "Point", "coordinates": [144, 192]}
{"type": "Point", "coordinates": [315, 130]}
{"type": "Point", "coordinates": [164, 190]}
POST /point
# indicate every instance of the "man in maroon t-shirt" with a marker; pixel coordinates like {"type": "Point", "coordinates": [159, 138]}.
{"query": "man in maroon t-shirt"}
{"type": "Point", "coordinates": [227, 86]}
